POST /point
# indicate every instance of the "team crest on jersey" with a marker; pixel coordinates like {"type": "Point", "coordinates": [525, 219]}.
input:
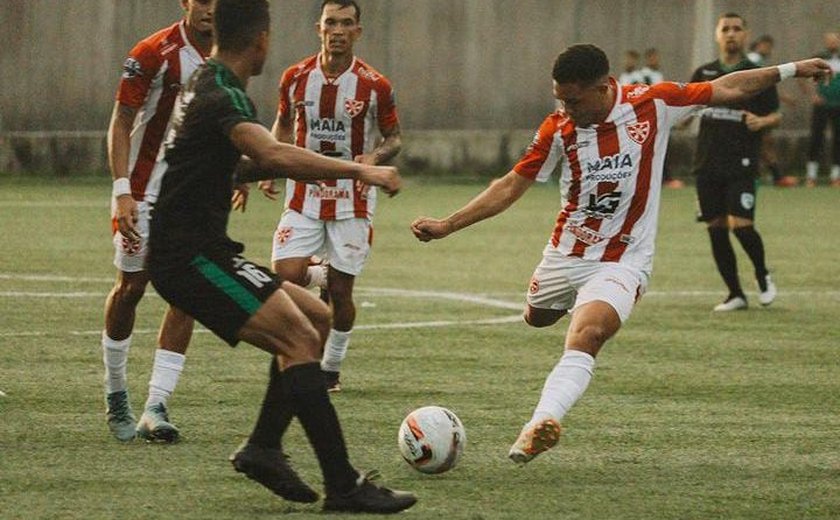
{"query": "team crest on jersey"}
{"type": "Point", "coordinates": [353, 107]}
{"type": "Point", "coordinates": [639, 132]}
{"type": "Point", "coordinates": [131, 68]}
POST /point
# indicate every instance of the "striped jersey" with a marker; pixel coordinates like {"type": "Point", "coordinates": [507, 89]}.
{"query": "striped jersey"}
{"type": "Point", "coordinates": [340, 117]}
{"type": "Point", "coordinates": [153, 74]}
{"type": "Point", "coordinates": [611, 173]}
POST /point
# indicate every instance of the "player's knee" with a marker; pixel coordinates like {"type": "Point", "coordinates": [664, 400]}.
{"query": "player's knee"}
{"type": "Point", "coordinates": [129, 291]}
{"type": "Point", "coordinates": [589, 335]}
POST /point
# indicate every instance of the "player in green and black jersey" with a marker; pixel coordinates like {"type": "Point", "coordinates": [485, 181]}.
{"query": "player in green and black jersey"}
{"type": "Point", "coordinates": [197, 268]}
{"type": "Point", "coordinates": [726, 165]}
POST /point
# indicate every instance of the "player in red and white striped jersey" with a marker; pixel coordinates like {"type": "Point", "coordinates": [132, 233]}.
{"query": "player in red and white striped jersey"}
{"type": "Point", "coordinates": [335, 104]}
{"type": "Point", "coordinates": [152, 77]}
{"type": "Point", "coordinates": [610, 143]}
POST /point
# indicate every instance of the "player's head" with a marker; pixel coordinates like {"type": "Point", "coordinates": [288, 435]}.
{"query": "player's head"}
{"type": "Point", "coordinates": [731, 33]}
{"type": "Point", "coordinates": [199, 15]}
{"type": "Point", "coordinates": [581, 83]}
{"type": "Point", "coordinates": [339, 26]}
{"type": "Point", "coordinates": [631, 60]}
{"type": "Point", "coordinates": [652, 58]}
{"type": "Point", "coordinates": [242, 27]}
{"type": "Point", "coordinates": [763, 45]}
{"type": "Point", "coordinates": [832, 41]}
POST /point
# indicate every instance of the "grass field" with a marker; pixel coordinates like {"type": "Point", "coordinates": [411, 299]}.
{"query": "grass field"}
{"type": "Point", "coordinates": [689, 415]}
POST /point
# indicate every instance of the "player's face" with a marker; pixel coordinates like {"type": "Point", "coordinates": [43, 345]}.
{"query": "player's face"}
{"type": "Point", "coordinates": [338, 29]}
{"type": "Point", "coordinates": [731, 35]}
{"type": "Point", "coordinates": [199, 15]}
{"type": "Point", "coordinates": [585, 104]}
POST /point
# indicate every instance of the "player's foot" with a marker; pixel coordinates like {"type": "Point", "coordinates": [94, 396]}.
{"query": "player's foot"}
{"type": "Point", "coordinates": [270, 467]}
{"type": "Point", "coordinates": [674, 184]}
{"type": "Point", "coordinates": [154, 425]}
{"type": "Point", "coordinates": [332, 381]}
{"type": "Point", "coordinates": [733, 303]}
{"type": "Point", "coordinates": [367, 497]}
{"type": "Point", "coordinates": [786, 181]}
{"type": "Point", "coordinates": [535, 439]}
{"type": "Point", "coordinates": [121, 420]}
{"type": "Point", "coordinates": [810, 183]}
{"type": "Point", "coordinates": [766, 290]}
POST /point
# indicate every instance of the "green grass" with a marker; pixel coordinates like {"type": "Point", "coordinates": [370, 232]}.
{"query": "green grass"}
{"type": "Point", "coordinates": [690, 414]}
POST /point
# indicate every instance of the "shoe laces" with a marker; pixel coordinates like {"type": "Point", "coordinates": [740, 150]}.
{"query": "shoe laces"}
{"type": "Point", "coordinates": [118, 407]}
{"type": "Point", "coordinates": [160, 409]}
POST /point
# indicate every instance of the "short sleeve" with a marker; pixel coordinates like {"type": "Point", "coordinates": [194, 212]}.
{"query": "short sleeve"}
{"type": "Point", "coordinates": [386, 109]}
{"type": "Point", "coordinates": [233, 108]}
{"type": "Point", "coordinates": [139, 69]}
{"type": "Point", "coordinates": [681, 99]}
{"type": "Point", "coordinates": [539, 159]}
{"type": "Point", "coordinates": [766, 102]}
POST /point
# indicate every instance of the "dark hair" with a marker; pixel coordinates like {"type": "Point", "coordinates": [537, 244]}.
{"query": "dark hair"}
{"type": "Point", "coordinates": [344, 3]}
{"type": "Point", "coordinates": [731, 14]}
{"type": "Point", "coordinates": [238, 23]}
{"type": "Point", "coordinates": [583, 63]}
{"type": "Point", "coordinates": [632, 53]}
{"type": "Point", "coordinates": [651, 52]}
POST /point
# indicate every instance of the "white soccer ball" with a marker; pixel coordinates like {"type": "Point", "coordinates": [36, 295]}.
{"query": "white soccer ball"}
{"type": "Point", "coordinates": [431, 439]}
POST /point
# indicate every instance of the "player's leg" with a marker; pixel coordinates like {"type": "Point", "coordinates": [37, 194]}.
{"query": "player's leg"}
{"type": "Point", "coordinates": [835, 147]}
{"type": "Point", "coordinates": [603, 303]}
{"type": "Point", "coordinates": [296, 239]}
{"type": "Point", "coordinates": [173, 339]}
{"type": "Point", "coordinates": [712, 198]}
{"type": "Point", "coordinates": [819, 120]}
{"type": "Point", "coordinates": [348, 245]}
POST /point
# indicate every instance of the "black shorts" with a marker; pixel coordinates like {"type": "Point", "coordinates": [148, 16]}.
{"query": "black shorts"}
{"type": "Point", "coordinates": [726, 191]}
{"type": "Point", "coordinates": [220, 289]}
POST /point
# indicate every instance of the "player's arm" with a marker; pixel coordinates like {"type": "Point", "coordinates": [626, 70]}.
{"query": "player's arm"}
{"type": "Point", "coordinates": [273, 159]}
{"type": "Point", "coordinates": [388, 149]}
{"type": "Point", "coordinates": [119, 145]}
{"type": "Point", "coordinates": [283, 131]}
{"type": "Point", "coordinates": [499, 196]}
{"type": "Point", "coordinates": [742, 85]}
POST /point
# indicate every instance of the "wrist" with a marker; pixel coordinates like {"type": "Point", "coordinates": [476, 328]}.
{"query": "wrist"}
{"type": "Point", "coordinates": [786, 70]}
{"type": "Point", "coordinates": [121, 186]}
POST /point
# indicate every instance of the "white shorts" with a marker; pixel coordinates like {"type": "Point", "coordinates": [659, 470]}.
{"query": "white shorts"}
{"type": "Point", "coordinates": [562, 283]}
{"type": "Point", "coordinates": [345, 243]}
{"type": "Point", "coordinates": [130, 257]}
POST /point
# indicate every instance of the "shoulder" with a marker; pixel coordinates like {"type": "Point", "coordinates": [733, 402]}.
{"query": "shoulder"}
{"type": "Point", "coordinates": [300, 68]}
{"type": "Point", "coordinates": [160, 43]}
{"type": "Point", "coordinates": [370, 75]}
{"type": "Point", "coordinates": [707, 71]}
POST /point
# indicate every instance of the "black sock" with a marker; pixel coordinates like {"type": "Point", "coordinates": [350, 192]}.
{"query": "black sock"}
{"type": "Point", "coordinates": [305, 385]}
{"type": "Point", "coordinates": [276, 412]}
{"type": "Point", "coordinates": [751, 242]}
{"type": "Point", "coordinates": [774, 171]}
{"type": "Point", "coordinates": [725, 260]}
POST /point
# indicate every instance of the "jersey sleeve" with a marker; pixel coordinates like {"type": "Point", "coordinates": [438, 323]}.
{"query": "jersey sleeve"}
{"type": "Point", "coordinates": [681, 98]}
{"type": "Point", "coordinates": [540, 159]}
{"type": "Point", "coordinates": [766, 102]}
{"type": "Point", "coordinates": [232, 108]}
{"type": "Point", "coordinates": [139, 69]}
{"type": "Point", "coordinates": [386, 106]}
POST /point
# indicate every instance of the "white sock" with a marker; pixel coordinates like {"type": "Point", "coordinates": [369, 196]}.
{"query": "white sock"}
{"type": "Point", "coordinates": [811, 168]}
{"type": "Point", "coordinates": [335, 350]}
{"type": "Point", "coordinates": [115, 358]}
{"type": "Point", "coordinates": [317, 277]}
{"type": "Point", "coordinates": [835, 172]}
{"type": "Point", "coordinates": [564, 385]}
{"type": "Point", "coordinates": [167, 369]}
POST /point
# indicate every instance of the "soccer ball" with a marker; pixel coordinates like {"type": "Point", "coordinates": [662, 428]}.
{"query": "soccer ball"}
{"type": "Point", "coordinates": [431, 439]}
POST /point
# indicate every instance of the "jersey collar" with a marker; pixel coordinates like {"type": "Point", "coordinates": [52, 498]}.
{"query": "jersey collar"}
{"type": "Point", "coordinates": [337, 78]}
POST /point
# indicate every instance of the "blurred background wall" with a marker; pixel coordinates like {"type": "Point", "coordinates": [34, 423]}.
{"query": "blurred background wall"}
{"type": "Point", "coordinates": [457, 65]}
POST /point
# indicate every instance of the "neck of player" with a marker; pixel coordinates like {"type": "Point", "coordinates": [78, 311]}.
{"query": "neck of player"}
{"type": "Point", "coordinates": [731, 58]}
{"type": "Point", "coordinates": [203, 42]}
{"type": "Point", "coordinates": [241, 65]}
{"type": "Point", "coordinates": [335, 65]}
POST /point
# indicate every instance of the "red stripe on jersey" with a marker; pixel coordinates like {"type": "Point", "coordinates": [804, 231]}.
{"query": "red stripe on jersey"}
{"type": "Point", "coordinates": [357, 147]}
{"type": "Point", "coordinates": [156, 129]}
{"type": "Point", "coordinates": [607, 147]}
{"type": "Point", "coordinates": [569, 136]}
{"type": "Point", "coordinates": [645, 112]}
{"type": "Point", "coordinates": [326, 108]}
{"type": "Point", "coordinates": [296, 202]}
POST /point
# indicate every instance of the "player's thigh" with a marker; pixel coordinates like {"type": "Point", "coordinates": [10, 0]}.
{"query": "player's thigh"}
{"type": "Point", "coordinates": [313, 308]}
{"type": "Point", "coordinates": [280, 327]}
{"type": "Point", "coordinates": [711, 195]}
{"type": "Point", "coordinates": [221, 290]}
{"type": "Point", "coordinates": [348, 244]}
{"type": "Point", "coordinates": [615, 284]}
{"type": "Point", "coordinates": [741, 194]}
{"type": "Point", "coordinates": [554, 284]}
{"type": "Point", "coordinates": [129, 256]}
{"type": "Point", "coordinates": [297, 236]}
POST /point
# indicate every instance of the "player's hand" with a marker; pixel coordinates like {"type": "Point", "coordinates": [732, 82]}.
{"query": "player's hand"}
{"type": "Point", "coordinates": [127, 215]}
{"type": "Point", "coordinates": [386, 177]}
{"type": "Point", "coordinates": [426, 229]}
{"type": "Point", "coordinates": [816, 68]}
{"type": "Point", "coordinates": [268, 189]}
{"type": "Point", "coordinates": [239, 200]}
{"type": "Point", "coordinates": [366, 158]}
{"type": "Point", "coordinates": [754, 123]}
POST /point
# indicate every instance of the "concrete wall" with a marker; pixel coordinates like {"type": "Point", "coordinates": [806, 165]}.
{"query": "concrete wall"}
{"type": "Point", "coordinates": [456, 64]}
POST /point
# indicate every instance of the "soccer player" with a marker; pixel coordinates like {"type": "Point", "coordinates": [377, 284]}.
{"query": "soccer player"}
{"type": "Point", "coordinates": [152, 76]}
{"type": "Point", "coordinates": [826, 109]}
{"type": "Point", "coordinates": [610, 142]}
{"type": "Point", "coordinates": [650, 73]}
{"type": "Point", "coordinates": [630, 74]}
{"type": "Point", "coordinates": [337, 105]}
{"type": "Point", "coordinates": [726, 165]}
{"type": "Point", "coordinates": [197, 268]}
